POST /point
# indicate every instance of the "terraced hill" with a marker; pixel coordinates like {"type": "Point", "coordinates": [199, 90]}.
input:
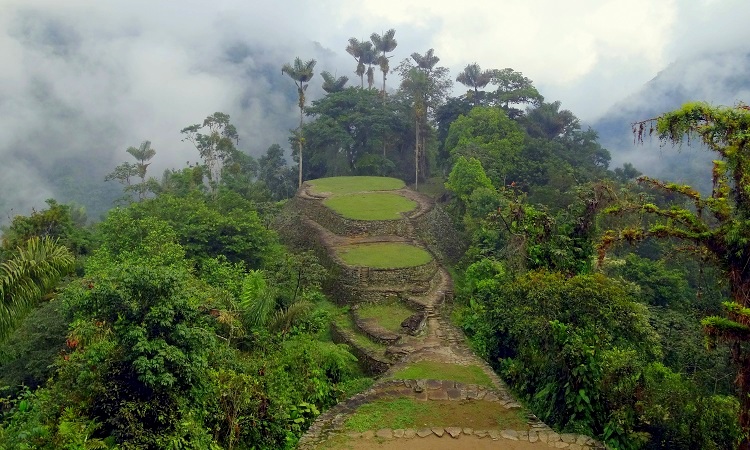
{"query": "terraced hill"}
{"type": "Point", "coordinates": [386, 246]}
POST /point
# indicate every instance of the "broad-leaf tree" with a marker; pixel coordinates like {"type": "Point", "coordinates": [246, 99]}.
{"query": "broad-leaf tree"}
{"type": "Point", "coordinates": [215, 146]}
{"type": "Point", "coordinates": [715, 227]}
{"type": "Point", "coordinates": [301, 72]}
{"type": "Point", "coordinates": [514, 88]}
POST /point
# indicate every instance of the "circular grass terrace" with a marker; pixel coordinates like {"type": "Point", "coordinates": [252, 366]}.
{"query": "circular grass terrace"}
{"type": "Point", "coordinates": [350, 185]}
{"type": "Point", "coordinates": [370, 206]}
{"type": "Point", "coordinates": [383, 255]}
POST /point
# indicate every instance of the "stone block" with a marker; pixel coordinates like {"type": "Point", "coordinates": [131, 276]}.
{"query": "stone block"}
{"type": "Point", "coordinates": [453, 431]}
{"type": "Point", "coordinates": [385, 433]}
{"type": "Point", "coordinates": [437, 395]}
{"type": "Point", "coordinates": [509, 434]}
{"type": "Point", "coordinates": [568, 437]}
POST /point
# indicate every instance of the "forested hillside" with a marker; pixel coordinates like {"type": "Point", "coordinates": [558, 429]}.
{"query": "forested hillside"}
{"type": "Point", "coordinates": [181, 320]}
{"type": "Point", "coordinates": [716, 77]}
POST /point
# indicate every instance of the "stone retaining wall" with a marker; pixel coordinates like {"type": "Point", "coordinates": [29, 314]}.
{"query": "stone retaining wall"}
{"type": "Point", "coordinates": [370, 363]}
{"type": "Point", "coordinates": [370, 276]}
{"type": "Point", "coordinates": [343, 226]}
{"type": "Point", "coordinates": [437, 231]}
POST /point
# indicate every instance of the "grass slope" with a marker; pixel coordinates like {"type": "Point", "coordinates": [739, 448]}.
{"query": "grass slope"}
{"type": "Point", "coordinates": [370, 206]}
{"type": "Point", "coordinates": [349, 185]}
{"type": "Point", "coordinates": [387, 315]}
{"type": "Point", "coordinates": [409, 413]}
{"type": "Point", "coordinates": [383, 255]}
{"type": "Point", "coordinates": [442, 371]}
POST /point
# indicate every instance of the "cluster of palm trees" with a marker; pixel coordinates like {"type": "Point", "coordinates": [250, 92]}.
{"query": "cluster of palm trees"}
{"type": "Point", "coordinates": [366, 53]}
{"type": "Point", "coordinates": [371, 53]}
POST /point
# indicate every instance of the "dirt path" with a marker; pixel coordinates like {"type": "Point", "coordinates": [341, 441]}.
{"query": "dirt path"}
{"type": "Point", "coordinates": [489, 405]}
{"type": "Point", "coordinates": [441, 443]}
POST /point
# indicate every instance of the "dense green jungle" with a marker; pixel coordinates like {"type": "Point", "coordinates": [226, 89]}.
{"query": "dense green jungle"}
{"type": "Point", "coordinates": [614, 305]}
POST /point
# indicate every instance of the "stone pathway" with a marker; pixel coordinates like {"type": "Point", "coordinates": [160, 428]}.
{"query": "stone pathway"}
{"type": "Point", "coordinates": [438, 342]}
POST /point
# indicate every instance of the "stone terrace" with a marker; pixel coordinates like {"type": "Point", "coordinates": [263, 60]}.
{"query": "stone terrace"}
{"type": "Point", "coordinates": [425, 337]}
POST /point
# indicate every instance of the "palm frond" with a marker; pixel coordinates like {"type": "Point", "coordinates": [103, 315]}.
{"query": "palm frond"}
{"type": "Point", "coordinates": [284, 319]}
{"type": "Point", "coordinates": [28, 276]}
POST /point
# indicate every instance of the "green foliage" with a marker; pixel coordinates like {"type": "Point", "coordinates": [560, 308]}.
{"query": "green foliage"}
{"type": "Point", "coordinates": [582, 352]}
{"type": "Point", "coordinates": [488, 135]}
{"type": "Point", "coordinates": [62, 222]}
{"type": "Point", "coordinates": [215, 145]}
{"type": "Point", "coordinates": [659, 285]}
{"type": "Point", "coordinates": [714, 227]}
{"type": "Point", "coordinates": [27, 355]}
{"type": "Point", "coordinates": [230, 226]}
{"type": "Point", "coordinates": [355, 132]}
{"type": "Point", "coordinates": [275, 174]}
{"type": "Point", "coordinates": [28, 276]}
{"type": "Point", "coordinates": [467, 176]}
{"type": "Point", "coordinates": [126, 171]}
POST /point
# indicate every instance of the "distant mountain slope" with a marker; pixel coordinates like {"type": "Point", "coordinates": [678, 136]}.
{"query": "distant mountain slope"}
{"type": "Point", "coordinates": [717, 78]}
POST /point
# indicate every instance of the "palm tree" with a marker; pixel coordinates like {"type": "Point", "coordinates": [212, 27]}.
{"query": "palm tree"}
{"type": "Point", "coordinates": [384, 44]}
{"type": "Point", "coordinates": [332, 84]}
{"type": "Point", "coordinates": [426, 62]}
{"type": "Point", "coordinates": [143, 154]}
{"type": "Point", "coordinates": [416, 86]}
{"type": "Point", "coordinates": [357, 50]}
{"type": "Point", "coordinates": [474, 77]}
{"type": "Point", "coordinates": [301, 72]}
{"type": "Point", "coordinates": [369, 57]}
{"type": "Point", "coordinates": [29, 276]}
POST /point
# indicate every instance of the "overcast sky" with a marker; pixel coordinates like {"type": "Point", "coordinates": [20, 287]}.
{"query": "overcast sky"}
{"type": "Point", "coordinates": [90, 78]}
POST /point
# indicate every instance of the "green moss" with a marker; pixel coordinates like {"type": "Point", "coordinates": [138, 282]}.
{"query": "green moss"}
{"type": "Point", "coordinates": [443, 371]}
{"type": "Point", "coordinates": [371, 206]}
{"type": "Point", "coordinates": [383, 255]}
{"type": "Point", "coordinates": [348, 185]}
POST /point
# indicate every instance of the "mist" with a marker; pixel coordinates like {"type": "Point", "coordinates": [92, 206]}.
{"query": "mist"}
{"type": "Point", "coordinates": [82, 81]}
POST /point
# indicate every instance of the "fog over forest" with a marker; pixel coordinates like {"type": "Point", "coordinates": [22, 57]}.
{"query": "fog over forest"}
{"type": "Point", "coordinates": [82, 81]}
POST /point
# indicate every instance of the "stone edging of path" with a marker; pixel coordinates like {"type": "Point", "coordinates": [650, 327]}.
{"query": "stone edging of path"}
{"type": "Point", "coordinates": [333, 420]}
{"type": "Point", "coordinates": [552, 439]}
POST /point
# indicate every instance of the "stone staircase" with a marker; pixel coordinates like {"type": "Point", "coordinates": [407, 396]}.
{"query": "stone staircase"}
{"type": "Point", "coordinates": [426, 338]}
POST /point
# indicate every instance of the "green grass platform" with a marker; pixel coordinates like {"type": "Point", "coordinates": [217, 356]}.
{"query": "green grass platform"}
{"type": "Point", "coordinates": [350, 185]}
{"type": "Point", "coordinates": [370, 206]}
{"type": "Point", "coordinates": [383, 255]}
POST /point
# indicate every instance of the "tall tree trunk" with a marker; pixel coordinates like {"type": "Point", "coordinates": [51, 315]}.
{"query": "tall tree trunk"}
{"type": "Point", "coordinates": [416, 154]}
{"type": "Point", "coordinates": [299, 138]}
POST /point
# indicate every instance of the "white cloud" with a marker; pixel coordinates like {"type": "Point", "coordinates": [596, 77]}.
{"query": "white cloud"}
{"type": "Point", "coordinates": [82, 77]}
